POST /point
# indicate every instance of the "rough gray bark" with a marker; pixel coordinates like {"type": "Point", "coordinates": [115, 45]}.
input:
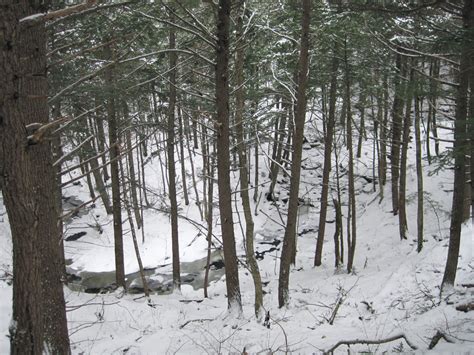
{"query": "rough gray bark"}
{"type": "Point", "coordinates": [39, 318]}
{"type": "Point", "coordinates": [288, 249]}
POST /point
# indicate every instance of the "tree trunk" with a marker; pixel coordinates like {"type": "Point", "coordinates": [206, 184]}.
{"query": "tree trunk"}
{"type": "Point", "coordinates": [397, 117]}
{"type": "Point", "coordinates": [114, 172]}
{"type": "Point", "coordinates": [181, 149]}
{"type": "Point", "coordinates": [223, 163]}
{"type": "Point", "coordinates": [460, 147]}
{"type": "Point", "coordinates": [402, 216]}
{"type": "Point", "coordinates": [209, 218]}
{"type": "Point", "coordinates": [328, 141]}
{"type": "Point", "coordinates": [244, 180]}
{"type": "Point", "coordinates": [131, 167]}
{"type": "Point", "coordinates": [173, 60]}
{"type": "Point", "coordinates": [419, 175]}
{"type": "Point", "coordinates": [39, 319]}
{"type": "Point", "coordinates": [288, 249]}
{"type": "Point", "coordinates": [352, 215]}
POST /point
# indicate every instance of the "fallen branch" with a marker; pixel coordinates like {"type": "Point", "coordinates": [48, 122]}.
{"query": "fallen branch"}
{"type": "Point", "coordinates": [437, 337]}
{"type": "Point", "coordinates": [465, 307]}
{"type": "Point", "coordinates": [370, 342]}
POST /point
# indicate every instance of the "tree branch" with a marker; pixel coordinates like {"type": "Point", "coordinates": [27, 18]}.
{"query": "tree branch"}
{"type": "Point", "coordinates": [366, 341]}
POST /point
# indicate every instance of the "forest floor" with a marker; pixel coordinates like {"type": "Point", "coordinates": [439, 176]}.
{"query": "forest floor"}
{"type": "Point", "coordinates": [392, 290]}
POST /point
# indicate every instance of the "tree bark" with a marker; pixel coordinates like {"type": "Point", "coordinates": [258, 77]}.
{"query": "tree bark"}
{"type": "Point", "coordinates": [460, 147]}
{"type": "Point", "coordinates": [419, 175]}
{"type": "Point", "coordinates": [288, 249]}
{"type": "Point", "coordinates": [173, 61]}
{"type": "Point", "coordinates": [328, 141]}
{"type": "Point", "coordinates": [114, 172]}
{"type": "Point", "coordinates": [397, 117]}
{"type": "Point", "coordinates": [223, 161]}
{"type": "Point", "coordinates": [244, 176]}
{"type": "Point", "coordinates": [39, 318]}
{"type": "Point", "coordinates": [402, 216]}
{"type": "Point", "coordinates": [352, 214]}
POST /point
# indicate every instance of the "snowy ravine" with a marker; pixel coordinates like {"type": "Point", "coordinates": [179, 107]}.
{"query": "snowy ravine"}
{"type": "Point", "coordinates": [393, 290]}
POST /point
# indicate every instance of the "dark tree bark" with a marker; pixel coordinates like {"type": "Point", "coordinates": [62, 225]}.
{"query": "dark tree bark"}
{"type": "Point", "coordinates": [328, 141]}
{"type": "Point", "coordinates": [181, 149]}
{"type": "Point", "coordinates": [402, 216]}
{"type": "Point", "coordinates": [352, 212]}
{"type": "Point", "coordinates": [419, 175]}
{"type": "Point", "coordinates": [460, 146]}
{"type": "Point", "coordinates": [131, 167]}
{"type": "Point", "coordinates": [39, 319]}
{"type": "Point", "coordinates": [244, 176]}
{"type": "Point", "coordinates": [115, 172]}
{"type": "Point", "coordinates": [289, 242]}
{"type": "Point", "coordinates": [397, 118]}
{"type": "Point", "coordinates": [223, 161]}
{"type": "Point", "coordinates": [173, 61]}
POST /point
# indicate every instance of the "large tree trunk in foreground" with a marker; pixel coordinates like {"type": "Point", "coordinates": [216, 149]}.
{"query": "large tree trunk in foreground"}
{"type": "Point", "coordinates": [460, 147]}
{"type": "Point", "coordinates": [223, 161]}
{"type": "Point", "coordinates": [39, 317]}
{"type": "Point", "coordinates": [289, 242]}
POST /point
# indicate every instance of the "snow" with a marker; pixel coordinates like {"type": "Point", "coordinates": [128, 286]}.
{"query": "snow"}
{"type": "Point", "coordinates": [392, 290]}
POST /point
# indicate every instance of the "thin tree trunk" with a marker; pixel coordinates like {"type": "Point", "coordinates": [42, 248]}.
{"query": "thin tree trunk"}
{"type": "Point", "coordinates": [397, 117]}
{"type": "Point", "coordinates": [328, 142]}
{"type": "Point", "coordinates": [352, 215]}
{"type": "Point", "coordinates": [209, 220]}
{"type": "Point", "coordinates": [101, 139]}
{"type": "Point", "coordinates": [99, 183]}
{"type": "Point", "coordinates": [128, 208]}
{"type": "Point", "coordinates": [419, 175]}
{"type": "Point", "coordinates": [289, 243]}
{"type": "Point", "coordinates": [337, 233]}
{"type": "Point", "coordinates": [362, 133]}
{"type": "Point", "coordinates": [173, 61]}
{"type": "Point", "coordinates": [402, 216]}
{"type": "Point", "coordinates": [114, 172]}
{"type": "Point", "coordinates": [131, 167]}
{"type": "Point", "coordinates": [193, 176]}
{"type": "Point", "coordinates": [181, 149]}
{"type": "Point", "coordinates": [244, 182]}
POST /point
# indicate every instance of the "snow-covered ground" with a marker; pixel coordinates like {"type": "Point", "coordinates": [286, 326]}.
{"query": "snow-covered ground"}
{"type": "Point", "coordinates": [393, 289]}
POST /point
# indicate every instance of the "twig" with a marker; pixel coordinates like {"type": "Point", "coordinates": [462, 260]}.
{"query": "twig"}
{"type": "Point", "coordinates": [194, 320]}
